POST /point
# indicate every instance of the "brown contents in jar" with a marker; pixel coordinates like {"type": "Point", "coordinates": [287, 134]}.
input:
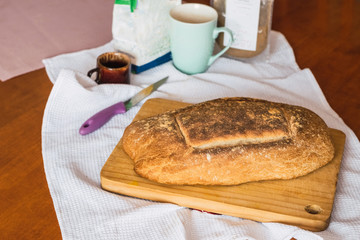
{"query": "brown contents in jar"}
{"type": "Point", "coordinates": [265, 17]}
{"type": "Point", "coordinates": [261, 44]}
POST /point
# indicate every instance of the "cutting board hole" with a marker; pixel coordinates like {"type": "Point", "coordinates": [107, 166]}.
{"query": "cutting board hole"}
{"type": "Point", "coordinates": [313, 209]}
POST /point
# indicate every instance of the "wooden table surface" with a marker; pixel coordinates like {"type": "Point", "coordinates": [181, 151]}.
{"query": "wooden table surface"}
{"type": "Point", "coordinates": [325, 36]}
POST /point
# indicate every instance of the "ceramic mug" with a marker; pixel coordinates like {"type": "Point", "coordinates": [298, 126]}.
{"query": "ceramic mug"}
{"type": "Point", "coordinates": [192, 37]}
{"type": "Point", "coordinates": [112, 67]}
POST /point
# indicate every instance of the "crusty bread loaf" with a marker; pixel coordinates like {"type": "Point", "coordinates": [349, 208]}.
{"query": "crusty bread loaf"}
{"type": "Point", "coordinates": [228, 141]}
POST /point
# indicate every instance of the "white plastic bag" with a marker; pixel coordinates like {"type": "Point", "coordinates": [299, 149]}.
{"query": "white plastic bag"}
{"type": "Point", "coordinates": [141, 29]}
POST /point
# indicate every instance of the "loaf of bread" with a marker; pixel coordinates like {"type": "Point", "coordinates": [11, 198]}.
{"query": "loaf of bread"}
{"type": "Point", "coordinates": [228, 141]}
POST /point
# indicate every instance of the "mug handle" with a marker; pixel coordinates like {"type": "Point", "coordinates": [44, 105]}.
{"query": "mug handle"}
{"type": "Point", "coordinates": [90, 73]}
{"type": "Point", "coordinates": [216, 32]}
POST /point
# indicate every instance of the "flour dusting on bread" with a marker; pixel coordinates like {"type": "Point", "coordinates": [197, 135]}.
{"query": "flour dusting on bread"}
{"type": "Point", "coordinates": [228, 141]}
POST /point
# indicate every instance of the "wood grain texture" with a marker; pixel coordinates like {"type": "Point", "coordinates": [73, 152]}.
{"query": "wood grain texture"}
{"type": "Point", "coordinates": [282, 201]}
{"type": "Point", "coordinates": [323, 34]}
{"type": "Point", "coordinates": [26, 208]}
{"type": "Point", "coordinates": [325, 37]}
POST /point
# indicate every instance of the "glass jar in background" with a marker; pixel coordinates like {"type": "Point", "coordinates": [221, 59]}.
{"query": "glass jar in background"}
{"type": "Point", "coordinates": [250, 22]}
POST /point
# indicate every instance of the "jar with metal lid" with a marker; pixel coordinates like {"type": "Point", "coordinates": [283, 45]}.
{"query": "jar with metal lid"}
{"type": "Point", "coordinates": [250, 22]}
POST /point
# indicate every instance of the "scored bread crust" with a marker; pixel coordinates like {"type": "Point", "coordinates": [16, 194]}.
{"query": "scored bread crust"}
{"type": "Point", "coordinates": [228, 141]}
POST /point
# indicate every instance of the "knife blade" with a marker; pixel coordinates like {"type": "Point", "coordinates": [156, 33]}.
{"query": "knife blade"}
{"type": "Point", "coordinates": [99, 119]}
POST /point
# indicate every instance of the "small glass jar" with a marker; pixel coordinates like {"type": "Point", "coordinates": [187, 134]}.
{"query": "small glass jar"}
{"type": "Point", "coordinates": [250, 22]}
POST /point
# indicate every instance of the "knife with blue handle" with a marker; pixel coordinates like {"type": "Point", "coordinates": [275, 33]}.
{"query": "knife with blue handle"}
{"type": "Point", "coordinates": [102, 117]}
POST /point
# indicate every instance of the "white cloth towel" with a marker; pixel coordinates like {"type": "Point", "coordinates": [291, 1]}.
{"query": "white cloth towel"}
{"type": "Point", "coordinates": [73, 162]}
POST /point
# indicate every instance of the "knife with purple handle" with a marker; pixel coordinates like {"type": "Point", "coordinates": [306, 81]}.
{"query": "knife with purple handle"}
{"type": "Point", "coordinates": [102, 117]}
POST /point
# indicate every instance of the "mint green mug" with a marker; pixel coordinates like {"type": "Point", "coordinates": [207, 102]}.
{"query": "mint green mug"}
{"type": "Point", "coordinates": [192, 37]}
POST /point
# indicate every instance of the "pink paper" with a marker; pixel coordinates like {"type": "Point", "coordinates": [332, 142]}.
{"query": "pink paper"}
{"type": "Point", "coordinates": [36, 29]}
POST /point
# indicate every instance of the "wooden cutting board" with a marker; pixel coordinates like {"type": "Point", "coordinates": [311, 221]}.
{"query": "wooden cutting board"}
{"type": "Point", "coordinates": [305, 202]}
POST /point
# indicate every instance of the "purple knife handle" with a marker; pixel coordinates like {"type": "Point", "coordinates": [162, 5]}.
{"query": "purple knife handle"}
{"type": "Point", "coordinates": [102, 117]}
